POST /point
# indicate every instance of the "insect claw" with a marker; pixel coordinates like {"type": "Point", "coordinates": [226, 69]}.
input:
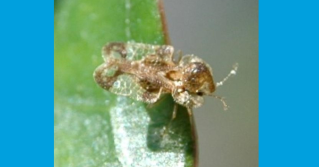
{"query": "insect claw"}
{"type": "Point", "coordinates": [190, 112]}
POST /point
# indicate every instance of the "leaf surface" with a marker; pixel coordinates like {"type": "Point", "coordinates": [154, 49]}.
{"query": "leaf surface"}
{"type": "Point", "coordinates": [93, 127]}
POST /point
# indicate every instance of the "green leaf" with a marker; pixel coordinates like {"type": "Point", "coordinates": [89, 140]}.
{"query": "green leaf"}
{"type": "Point", "coordinates": [93, 127]}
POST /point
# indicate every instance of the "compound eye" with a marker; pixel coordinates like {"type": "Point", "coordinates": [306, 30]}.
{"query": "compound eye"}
{"type": "Point", "coordinates": [200, 93]}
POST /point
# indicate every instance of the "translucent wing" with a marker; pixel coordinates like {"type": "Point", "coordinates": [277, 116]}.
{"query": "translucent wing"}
{"type": "Point", "coordinates": [128, 85]}
{"type": "Point", "coordinates": [136, 51]}
{"type": "Point", "coordinates": [189, 59]}
{"type": "Point", "coordinates": [113, 50]}
{"type": "Point", "coordinates": [119, 76]}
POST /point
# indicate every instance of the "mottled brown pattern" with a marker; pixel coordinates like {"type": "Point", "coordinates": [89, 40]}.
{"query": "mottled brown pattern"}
{"type": "Point", "coordinates": [187, 80]}
{"type": "Point", "coordinates": [104, 81]}
{"type": "Point", "coordinates": [196, 75]}
{"type": "Point", "coordinates": [115, 47]}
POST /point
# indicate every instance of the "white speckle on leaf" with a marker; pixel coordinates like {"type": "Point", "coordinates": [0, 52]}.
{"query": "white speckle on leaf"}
{"type": "Point", "coordinates": [131, 144]}
{"type": "Point", "coordinates": [127, 20]}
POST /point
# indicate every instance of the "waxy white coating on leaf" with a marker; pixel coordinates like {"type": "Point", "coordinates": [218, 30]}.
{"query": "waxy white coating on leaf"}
{"type": "Point", "coordinates": [131, 147]}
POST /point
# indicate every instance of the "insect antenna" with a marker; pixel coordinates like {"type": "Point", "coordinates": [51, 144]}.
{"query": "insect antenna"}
{"type": "Point", "coordinates": [222, 99]}
{"type": "Point", "coordinates": [232, 72]}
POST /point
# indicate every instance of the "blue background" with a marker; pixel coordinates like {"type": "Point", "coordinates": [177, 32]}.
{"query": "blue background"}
{"type": "Point", "coordinates": [26, 70]}
{"type": "Point", "coordinates": [288, 116]}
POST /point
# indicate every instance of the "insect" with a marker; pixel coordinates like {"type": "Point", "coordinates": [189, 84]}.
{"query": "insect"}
{"type": "Point", "coordinates": [144, 72]}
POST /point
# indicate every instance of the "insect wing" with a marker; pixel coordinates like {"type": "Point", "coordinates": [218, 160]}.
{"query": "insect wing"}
{"type": "Point", "coordinates": [114, 50]}
{"type": "Point", "coordinates": [128, 85]}
{"type": "Point", "coordinates": [189, 59]}
{"type": "Point", "coordinates": [136, 51]}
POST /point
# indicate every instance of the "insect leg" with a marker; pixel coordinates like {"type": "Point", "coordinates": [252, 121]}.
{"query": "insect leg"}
{"type": "Point", "coordinates": [192, 123]}
{"type": "Point", "coordinates": [159, 93]}
{"type": "Point", "coordinates": [190, 112]}
{"type": "Point", "coordinates": [173, 117]}
{"type": "Point", "coordinates": [150, 105]}
{"type": "Point", "coordinates": [152, 97]}
{"type": "Point", "coordinates": [174, 111]}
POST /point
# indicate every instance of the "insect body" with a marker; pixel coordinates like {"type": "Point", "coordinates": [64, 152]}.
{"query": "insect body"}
{"type": "Point", "coordinates": [144, 72]}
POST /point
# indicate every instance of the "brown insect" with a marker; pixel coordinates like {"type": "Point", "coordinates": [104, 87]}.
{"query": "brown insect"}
{"type": "Point", "coordinates": [144, 72]}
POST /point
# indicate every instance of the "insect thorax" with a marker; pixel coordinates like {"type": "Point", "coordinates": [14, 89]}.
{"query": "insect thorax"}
{"type": "Point", "coordinates": [144, 72]}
